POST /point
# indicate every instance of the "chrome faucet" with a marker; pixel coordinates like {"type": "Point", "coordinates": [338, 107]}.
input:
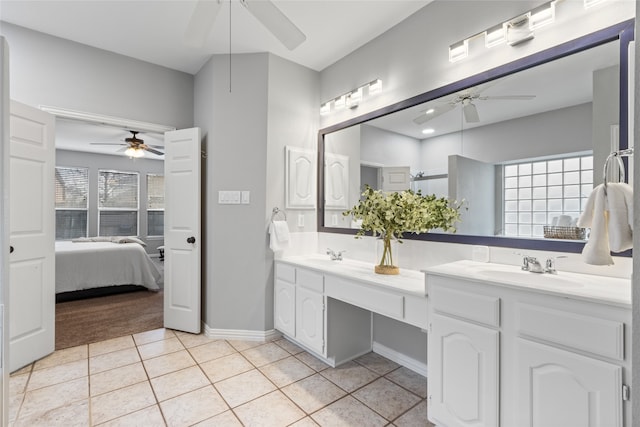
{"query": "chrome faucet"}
{"type": "Point", "coordinates": [530, 263]}
{"type": "Point", "coordinates": [550, 265]}
{"type": "Point", "coordinates": [335, 256]}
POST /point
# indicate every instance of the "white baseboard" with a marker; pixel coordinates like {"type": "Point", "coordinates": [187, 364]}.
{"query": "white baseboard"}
{"type": "Point", "coordinates": [401, 359]}
{"type": "Point", "coordinates": [241, 335]}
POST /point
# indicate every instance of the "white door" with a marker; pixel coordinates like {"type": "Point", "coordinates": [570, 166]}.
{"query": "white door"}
{"type": "Point", "coordinates": [310, 319]}
{"type": "Point", "coordinates": [463, 373]}
{"type": "Point", "coordinates": [182, 239]}
{"type": "Point", "coordinates": [285, 307]}
{"type": "Point", "coordinates": [32, 235]}
{"type": "Point", "coordinates": [557, 388]}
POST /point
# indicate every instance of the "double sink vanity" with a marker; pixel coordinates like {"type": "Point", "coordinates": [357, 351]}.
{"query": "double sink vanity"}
{"type": "Point", "coordinates": [506, 347]}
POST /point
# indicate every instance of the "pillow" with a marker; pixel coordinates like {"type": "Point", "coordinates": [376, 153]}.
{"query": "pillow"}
{"type": "Point", "coordinates": [128, 239]}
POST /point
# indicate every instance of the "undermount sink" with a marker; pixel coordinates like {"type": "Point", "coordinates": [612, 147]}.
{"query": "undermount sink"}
{"type": "Point", "coordinates": [526, 277]}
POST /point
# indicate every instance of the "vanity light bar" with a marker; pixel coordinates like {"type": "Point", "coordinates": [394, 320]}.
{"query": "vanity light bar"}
{"type": "Point", "coordinates": [513, 31]}
{"type": "Point", "coordinates": [352, 98]}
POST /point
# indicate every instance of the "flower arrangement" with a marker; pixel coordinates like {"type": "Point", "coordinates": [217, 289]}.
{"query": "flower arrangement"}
{"type": "Point", "coordinates": [390, 215]}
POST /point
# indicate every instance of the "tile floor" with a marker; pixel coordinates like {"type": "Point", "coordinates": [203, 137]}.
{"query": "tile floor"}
{"type": "Point", "coordinates": [167, 378]}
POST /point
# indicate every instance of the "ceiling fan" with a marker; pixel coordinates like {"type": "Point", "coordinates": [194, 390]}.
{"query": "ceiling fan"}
{"type": "Point", "coordinates": [134, 146]}
{"type": "Point", "coordinates": [205, 12]}
{"type": "Point", "coordinates": [466, 100]}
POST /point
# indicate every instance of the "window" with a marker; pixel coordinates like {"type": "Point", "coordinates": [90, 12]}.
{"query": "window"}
{"type": "Point", "coordinates": [118, 203]}
{"type": "Point", "coordinates": [155, 205]}
{"type": "Point", "coordinates": [72, 189]}
{"type": "Point", "coordinates": [537, 192]}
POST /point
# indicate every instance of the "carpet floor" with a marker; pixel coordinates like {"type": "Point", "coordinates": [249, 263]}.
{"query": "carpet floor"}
{"type": "Point", "coordinates": [96, 319]}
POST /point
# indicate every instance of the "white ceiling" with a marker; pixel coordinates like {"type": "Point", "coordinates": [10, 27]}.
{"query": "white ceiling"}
{"type": "Point", "coordinates": [154, 30]}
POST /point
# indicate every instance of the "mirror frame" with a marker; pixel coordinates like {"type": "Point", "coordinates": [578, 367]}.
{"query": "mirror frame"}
{"type": "Point", "coordinates": [623, 32]}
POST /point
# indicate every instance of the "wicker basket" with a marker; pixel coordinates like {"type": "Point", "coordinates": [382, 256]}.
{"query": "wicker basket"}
{"type": "Point", "coordinates": [568, 233]}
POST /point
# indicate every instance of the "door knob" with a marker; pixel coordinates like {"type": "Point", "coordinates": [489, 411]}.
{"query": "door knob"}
{"type": "Point", "coordinates": [191, 239]}
{"type": "Point", "coordinates": [10, 249]}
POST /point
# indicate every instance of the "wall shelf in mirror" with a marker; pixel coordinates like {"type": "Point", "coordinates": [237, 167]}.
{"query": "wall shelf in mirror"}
{"type": "Point", "coordinates": [535, 129]}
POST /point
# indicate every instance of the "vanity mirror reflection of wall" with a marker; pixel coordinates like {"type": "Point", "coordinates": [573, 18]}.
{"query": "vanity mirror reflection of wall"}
{"type": "Point", "coordinates": [523, 151]}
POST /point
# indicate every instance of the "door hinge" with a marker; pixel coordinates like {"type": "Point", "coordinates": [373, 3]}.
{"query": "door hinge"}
{"type": "Point", "coordinates": [430, 327]}
{"type": "Point", "coordinates": [626, 392]}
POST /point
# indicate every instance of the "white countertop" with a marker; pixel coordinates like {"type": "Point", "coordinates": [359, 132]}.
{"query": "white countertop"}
{"type": "Point", "coordinates": [601, 289]}
{"type": "Point", "coordinates": [408, 281]}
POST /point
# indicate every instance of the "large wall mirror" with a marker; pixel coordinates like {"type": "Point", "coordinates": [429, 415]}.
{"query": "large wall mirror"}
{"type": "Point", "coordinates": [523, 145]}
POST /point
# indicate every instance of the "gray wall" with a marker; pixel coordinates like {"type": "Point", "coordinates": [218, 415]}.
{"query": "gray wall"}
{"type": "Point", "coordinates": [606, 112]}
{"type": "Point", "coordinates": [47, 70]}
{"type": "Point", "coordinates": [95, 162]}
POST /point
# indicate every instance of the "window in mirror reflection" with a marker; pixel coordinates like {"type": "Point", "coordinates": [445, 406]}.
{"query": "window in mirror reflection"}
{"type": "Point", "coordinates": [546, 192]}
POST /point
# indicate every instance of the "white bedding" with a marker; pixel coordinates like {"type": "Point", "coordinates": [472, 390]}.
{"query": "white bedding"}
{"type": "Point", "coordinates": [88, 265]}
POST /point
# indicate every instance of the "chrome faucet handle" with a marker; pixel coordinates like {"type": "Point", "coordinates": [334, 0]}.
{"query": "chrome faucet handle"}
{"type": "Point", "coordinates": [550, 264]}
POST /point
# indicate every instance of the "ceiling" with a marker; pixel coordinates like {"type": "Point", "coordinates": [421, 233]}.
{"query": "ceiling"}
{"type": "Point", "coordinates": [154, 30]}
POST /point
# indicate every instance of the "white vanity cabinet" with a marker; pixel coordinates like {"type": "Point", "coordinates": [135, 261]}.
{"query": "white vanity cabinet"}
{"type": "Point", "coordinates": [518, 356]}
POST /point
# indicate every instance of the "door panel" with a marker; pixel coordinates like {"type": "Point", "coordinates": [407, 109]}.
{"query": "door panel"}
{"type": "Point", "coordinates": [182, 236]}
{"type": "Point", "coordinates": [310, 319]}
{"type": "Point", "coordinates": [32, 228]}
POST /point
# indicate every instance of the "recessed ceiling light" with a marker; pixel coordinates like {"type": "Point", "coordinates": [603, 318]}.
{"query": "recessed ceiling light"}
{"type": "Point", "coordinates": [430, 111]}
{"type": "Point", "coordinates": [427, 131]}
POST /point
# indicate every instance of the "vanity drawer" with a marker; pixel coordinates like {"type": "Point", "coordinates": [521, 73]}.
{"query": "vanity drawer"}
{"type": "Point", "coordinates": [366, 296]}
{"type": "Point", "coordinates": [311, 280]}
{"type": "Point", "coordinates": [478, 308]}
{"type": "Point", "coordinates": [587, 333]}
{"type": "Point", "coordinates": [286, 272]}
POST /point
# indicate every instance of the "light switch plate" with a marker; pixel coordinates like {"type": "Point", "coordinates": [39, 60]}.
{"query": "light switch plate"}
{"type": "Point", "coordinates": [300, 220]}
{"type": "Point", "coordinates": [245, 197]}
{"type": "Point", "coordinates": [228, 197]}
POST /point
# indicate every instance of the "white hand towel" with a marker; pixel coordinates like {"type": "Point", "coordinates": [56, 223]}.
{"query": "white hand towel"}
{"type": "Point", "coordinates": [279, 235]}
{"type": "Point", "coordinates": [610, 217]}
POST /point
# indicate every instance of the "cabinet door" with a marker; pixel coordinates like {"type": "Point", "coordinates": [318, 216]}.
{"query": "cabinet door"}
{"type": "Point", "coordinates": [285, 307]}
{"type": "Point", "coordinates": [310, 319]}
{"type": "Point", "coordinates": [557, 388]}
{"type": "Point", "coordinates": [463, 373]}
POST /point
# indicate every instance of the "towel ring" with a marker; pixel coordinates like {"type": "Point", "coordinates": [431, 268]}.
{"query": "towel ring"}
{"type": "Point", "coordinates": [275, 212]}
{"type": "Point", "coordinates": [621, 173]}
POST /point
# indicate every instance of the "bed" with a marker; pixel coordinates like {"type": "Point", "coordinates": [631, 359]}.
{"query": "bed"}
{"type": "Point", "coordinates": [87, 265]}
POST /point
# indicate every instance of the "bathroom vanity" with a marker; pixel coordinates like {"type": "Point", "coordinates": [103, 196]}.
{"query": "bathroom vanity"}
{"type": "Point", "coordinates": [325, 306]}
{"type": "Point", "coordinates": [513, 348]}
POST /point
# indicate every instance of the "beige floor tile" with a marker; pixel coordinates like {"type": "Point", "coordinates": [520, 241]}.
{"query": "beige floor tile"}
{"type": "Point", "coordinates": [104, 382]}
{"type": "Point", "coordinates": [286, 371]}
{"type": "Point", "coordinates": [305, 422]}
{"type": "Point", "coordinates": [225, 419]}
{"type": "Point", "coordinates": [179, 382]}
{"type": "Point", "coordinates": [58, 374]}
{"type": "Point", "coordinates": [108, 346]}
{"type": "Point", "coordinates": [152, 336]}
{"type": "Point", "coordinates": [410, 380]}
{"type": "Point", "coordinates": [312, 361]}
{"type": "Point", "coordinates": [112, 405]}
{"type": "Point", "coordinates": [192, 340]}
{"type": "Point", "coordinates": [271, 410]}
{"type": "Point", "coordinates": [386, 398]}
{"type": "Point", "coordinates": [25, 370]}
{"type": "Point", "coordinates": [349, 376]}
{"type": "Point", "coordinates": [242, 345]}
{"type": "Point", "coordinates": [159, 348]}
{"type": "Point", "coordinates": [244, 387]}
{"type": "Point", "coordinates": [377, 363]}
{"type": "Point", "coordinates": [193, 407]}
{"type": "Point", "coordinates": [313, 393]}
{"type": "Point", "coordinates": [289, 346]}
{"type": "Point", "coordinates": [115, 359]}
{"type": "Point", "coordinates": [210, 351]}
{"type": "Point", "coordinates": [60, 357]}
{"type": "Point", "coordinates": [348, 412]}
{"type": "Point", "coordinates": [18, 384]}
{"type": "Point", "coordinates": [147, 417]}
{"type": "Point", "coordinates": [226, 367]}
{"type": "Point", "coordinates": [74, 414]}
{"type": "Point", "coordinates": [15, 401]}
{"type": "Point", "coordinates": [417, 416]}
{"type": "Point", "coordinates": [265, 354]}
{"type": "Point", "coordinates": [168, 363]}
{"type": "Point", "coordinates": [47, 398]}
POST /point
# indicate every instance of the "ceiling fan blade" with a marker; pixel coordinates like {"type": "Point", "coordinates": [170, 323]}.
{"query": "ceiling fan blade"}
{"type": "Point", "coordinates": [151, 150]}
{"type": "Point", "coordinates": [106, 143]}
{"type": "Point", "coordinates": [276, 22]}
{"type": "Point", "coordinates": [122, 150]}
{"type": "Point", "coordinates": [508, 97]}
{"type": "Point", "coordinates": [438, 110]}
{"type": "Point", "coordinates": [201, 22]}
{"type": "Point", "coordinates": [470, 113]}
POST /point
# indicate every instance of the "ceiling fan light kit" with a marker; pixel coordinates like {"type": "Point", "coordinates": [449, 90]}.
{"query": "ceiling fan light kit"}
{"type": "Point", "coordinates": [135, 147]}
{"type": "Point", "coordinates": [514, 31]}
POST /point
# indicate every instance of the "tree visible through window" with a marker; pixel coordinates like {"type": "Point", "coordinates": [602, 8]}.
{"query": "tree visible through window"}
{"type": "Point", "coordinates": [118, 194]}
{"type": "Point", "coordinates": [72, 189]}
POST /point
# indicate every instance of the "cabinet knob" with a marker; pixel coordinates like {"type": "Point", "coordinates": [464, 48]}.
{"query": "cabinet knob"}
{"type": "Point", "coordinates": [10, 249]}
{"type": "Point", "coordinates": [191, 239]}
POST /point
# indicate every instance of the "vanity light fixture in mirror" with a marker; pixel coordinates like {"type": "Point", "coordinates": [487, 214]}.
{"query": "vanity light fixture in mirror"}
{"type": "Point", "coordinates": [372, 143]}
